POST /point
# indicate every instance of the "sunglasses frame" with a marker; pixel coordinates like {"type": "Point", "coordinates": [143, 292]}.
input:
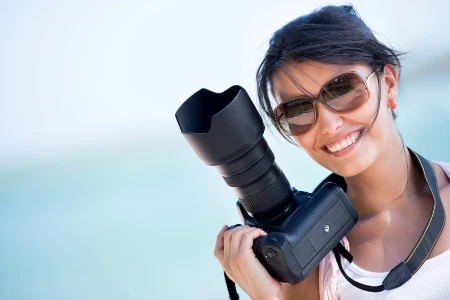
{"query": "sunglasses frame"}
{"type": "Point", "coordinates": [365, 81]}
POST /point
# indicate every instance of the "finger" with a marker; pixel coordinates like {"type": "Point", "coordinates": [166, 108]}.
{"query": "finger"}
{"type": "Point", "coordinates": [226, 248]}
{"type": "Point", "coordinates": [227, 244]}
{"type": "Point", "coordinates": [248, 238]}
{"type": "Point", "coordinates": [236, 239]}
{"type": "Point", "coordinates": [219, 239]}
{"type": "Point", "coordinates": [218, 250]}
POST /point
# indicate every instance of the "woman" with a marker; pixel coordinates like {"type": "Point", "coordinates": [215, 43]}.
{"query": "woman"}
{"type": "Point", "coordinates": [335, 88]}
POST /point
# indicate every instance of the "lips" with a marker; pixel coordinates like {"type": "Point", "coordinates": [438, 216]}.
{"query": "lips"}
{"type": "Point", "coordinates": [342, 142]}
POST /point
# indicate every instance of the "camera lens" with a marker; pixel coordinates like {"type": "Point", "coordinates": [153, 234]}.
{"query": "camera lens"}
{"type": "Point", "coordinates": [226, 131]}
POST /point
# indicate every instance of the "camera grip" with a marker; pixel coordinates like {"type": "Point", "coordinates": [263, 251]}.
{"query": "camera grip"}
{"type": "Point", "coordinates": [307, 236]}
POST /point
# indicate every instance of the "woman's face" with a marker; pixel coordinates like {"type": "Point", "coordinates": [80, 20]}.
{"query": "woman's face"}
{"type": "Point", "coordinates": [330, 130]}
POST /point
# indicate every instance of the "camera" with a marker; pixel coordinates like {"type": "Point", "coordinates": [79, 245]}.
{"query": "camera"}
{"type": "Point", "coordinates": [226, 131]}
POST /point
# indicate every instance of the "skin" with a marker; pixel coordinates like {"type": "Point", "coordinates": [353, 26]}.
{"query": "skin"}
{"type": "Point", "coordinates": [397, 211]}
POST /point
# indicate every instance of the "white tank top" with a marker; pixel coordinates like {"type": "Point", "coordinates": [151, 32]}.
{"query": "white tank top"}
{"type": "Point", "coordinates": [432, 281]}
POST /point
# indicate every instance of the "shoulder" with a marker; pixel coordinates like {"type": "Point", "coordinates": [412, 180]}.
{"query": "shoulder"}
{"type": "Point", "coordinates": [442, 171]}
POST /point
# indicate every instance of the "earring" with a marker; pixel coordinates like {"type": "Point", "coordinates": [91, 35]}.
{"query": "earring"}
{"type": "Point", "coordinates": [392, 103]}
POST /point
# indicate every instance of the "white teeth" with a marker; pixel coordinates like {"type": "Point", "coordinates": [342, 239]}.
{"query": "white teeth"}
{"type": "Point", "coordinates": [347, 141]}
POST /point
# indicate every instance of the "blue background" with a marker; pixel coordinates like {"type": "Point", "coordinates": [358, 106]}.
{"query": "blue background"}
{"type": "Point", "coordinates": [101, 196]}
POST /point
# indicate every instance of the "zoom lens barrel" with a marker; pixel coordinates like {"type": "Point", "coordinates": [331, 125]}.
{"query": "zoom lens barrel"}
{"type": "Point", "coordinates": [226, 131]}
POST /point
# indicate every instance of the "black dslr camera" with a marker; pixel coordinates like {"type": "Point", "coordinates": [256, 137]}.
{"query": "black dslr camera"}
{"type": "Point", "coordinates": [226, 131]}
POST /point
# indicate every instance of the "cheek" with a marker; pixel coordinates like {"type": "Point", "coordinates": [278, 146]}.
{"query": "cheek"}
{"type": "Point", "coordinates": [367, 112]}
{"type": "Point", "coordinates": [384, 124]}
{"type": "Point", "coordinates": [383, 120]}
{"type": "Point", "coordinates": [306, 142]}
{"type": "Point", "coordinates": [301, 142]}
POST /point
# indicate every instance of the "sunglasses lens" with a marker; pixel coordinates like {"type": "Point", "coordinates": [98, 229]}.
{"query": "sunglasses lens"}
{"type": "Point", "coordinates": [295, 116]}
{"type": "Point", "coordinates": [343, 94]}
{"type": "Point", "coordinates": [346, 92]}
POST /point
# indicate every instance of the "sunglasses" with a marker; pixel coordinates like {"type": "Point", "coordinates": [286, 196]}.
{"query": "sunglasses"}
{"type": "Point", "coordinates": [342, 94]}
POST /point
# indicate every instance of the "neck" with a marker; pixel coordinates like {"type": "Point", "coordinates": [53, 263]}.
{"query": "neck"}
{"type": "Point", "coordinates": [388, 182]}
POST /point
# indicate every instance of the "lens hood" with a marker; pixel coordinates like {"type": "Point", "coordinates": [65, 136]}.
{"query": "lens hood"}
{"type": "Point", "coordinates": [204, 120]}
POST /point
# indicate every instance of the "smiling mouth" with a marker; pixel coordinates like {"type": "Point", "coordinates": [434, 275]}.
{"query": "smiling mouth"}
{"type": "Point", "coordinates": [343, 143]}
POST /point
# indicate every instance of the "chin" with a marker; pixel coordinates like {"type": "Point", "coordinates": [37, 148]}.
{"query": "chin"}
{"type": "Point", "coordinates": [348, 168]}
{"type": "Point", "coordinates": [353, 163]}
{"type": "Point", "coordinates": [348, 172]}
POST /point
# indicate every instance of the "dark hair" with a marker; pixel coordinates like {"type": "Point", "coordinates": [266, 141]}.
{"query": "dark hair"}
{"type": "Point", "coordinates": [333, 35]}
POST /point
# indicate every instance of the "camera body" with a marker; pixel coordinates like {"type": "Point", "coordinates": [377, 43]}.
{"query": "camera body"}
{"type": "Point", "coordinates": [226, 131]}
{"type": "Point", "coordinates": [291, 250]}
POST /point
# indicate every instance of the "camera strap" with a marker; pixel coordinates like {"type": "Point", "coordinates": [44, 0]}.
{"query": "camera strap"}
{"type": "Point", "coordinates": [422, 249]}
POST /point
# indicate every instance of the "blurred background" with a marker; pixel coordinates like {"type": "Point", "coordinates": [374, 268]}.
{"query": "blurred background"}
{"type": "Point", "coordinates": [101, 196]}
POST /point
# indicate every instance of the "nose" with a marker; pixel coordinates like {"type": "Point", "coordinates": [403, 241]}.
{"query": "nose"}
{"type": "Point", "coordinates": [327, 121]}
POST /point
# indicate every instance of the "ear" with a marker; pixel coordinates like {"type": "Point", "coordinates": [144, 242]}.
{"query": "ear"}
{"type": "Point", "coordinates": [391, 82]}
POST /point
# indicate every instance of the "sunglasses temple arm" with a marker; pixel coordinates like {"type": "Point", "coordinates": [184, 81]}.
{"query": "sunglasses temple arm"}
{"type": "Point", "coordinates": [371, 75]}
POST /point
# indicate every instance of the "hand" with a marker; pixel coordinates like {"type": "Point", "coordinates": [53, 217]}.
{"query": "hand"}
{"type": "Point", "coordinates": [235, 254]}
